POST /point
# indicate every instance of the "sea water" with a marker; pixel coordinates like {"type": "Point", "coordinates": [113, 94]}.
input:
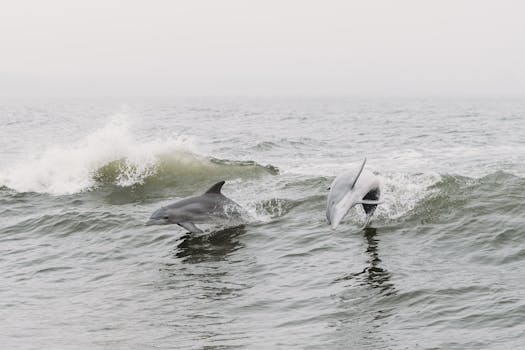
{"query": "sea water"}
{"type": "Point", "coordinates": [441, 266]}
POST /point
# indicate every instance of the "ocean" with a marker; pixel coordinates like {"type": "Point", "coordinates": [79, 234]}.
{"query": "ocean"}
{"type": "Point", "coordinates": [441, 265]}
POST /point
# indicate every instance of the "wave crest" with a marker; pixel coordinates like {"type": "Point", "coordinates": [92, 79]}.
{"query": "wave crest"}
{"type": "Point", "coordinates": [113, 156]}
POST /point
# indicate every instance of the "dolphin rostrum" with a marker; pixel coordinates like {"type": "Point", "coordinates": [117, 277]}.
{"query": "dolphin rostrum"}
{"type": "Point", "coordinates": [350, 189]}
{"type": "Point", "coordinates": [206, 208]}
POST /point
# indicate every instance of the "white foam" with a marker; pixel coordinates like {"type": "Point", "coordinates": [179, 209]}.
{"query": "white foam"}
{"type": "Point", "coordinates": [401, 192]}
{"type": "Point", "coordinates": [62, 169]}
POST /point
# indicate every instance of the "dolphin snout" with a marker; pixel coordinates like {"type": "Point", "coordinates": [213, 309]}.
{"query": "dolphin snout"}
{"type": "Point", "coordinates": [335, 220]}
{"type": "Point", "coordinates": [337, 212]}
{"type": "Point", "coordinates": [335, 215]}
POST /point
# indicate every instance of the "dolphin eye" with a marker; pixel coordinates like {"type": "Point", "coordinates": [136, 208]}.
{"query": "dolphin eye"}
{"type": "Point", "coordinates": [166, 217]}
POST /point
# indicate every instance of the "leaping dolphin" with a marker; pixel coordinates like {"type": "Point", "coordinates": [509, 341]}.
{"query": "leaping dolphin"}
{"type": "Point", "coordinates": [209, 207]}
{"type": "Point", "coordinates": [350, 189]}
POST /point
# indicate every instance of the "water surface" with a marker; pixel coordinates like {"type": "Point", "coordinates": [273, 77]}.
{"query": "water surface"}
{"type": "Point", "coordinates": [442, 264]}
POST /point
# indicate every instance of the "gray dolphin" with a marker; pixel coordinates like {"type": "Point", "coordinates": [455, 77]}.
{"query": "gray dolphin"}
{"type": "Point", "coordinates": [210, 207]}
{"type": "Point", "coordinates": [350, 189]}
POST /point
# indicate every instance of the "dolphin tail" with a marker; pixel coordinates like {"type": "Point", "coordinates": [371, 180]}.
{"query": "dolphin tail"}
{"type": "Point", "coordinates": [358, 173]}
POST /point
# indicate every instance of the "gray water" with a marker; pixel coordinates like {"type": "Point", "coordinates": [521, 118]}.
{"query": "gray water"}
{"type": "Point", "coordinates": [442, 265]}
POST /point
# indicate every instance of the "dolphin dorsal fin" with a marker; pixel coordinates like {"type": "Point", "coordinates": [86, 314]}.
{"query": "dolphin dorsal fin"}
{"type": "Point", "coordinates": [216, 188]}
{"type": "Point", "coordinates": [358, 173]}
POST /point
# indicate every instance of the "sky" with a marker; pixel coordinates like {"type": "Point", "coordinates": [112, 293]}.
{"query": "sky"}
{"type": "Point", "coordinates": [262, 48]}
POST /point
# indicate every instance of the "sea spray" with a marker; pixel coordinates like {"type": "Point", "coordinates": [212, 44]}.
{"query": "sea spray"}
{"type": "Point", "coordinates": [112, 155]}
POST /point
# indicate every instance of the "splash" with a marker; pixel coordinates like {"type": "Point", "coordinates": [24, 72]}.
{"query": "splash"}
{"type": "Point", "coordinates": [112, 155]}
{"type": "Point", "coordinates": [402, 192]}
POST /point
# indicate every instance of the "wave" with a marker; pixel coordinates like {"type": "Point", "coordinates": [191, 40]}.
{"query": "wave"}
{"type": "Point", "coordinates": [273, 208]}
{"type": "Point", "coordinates": [113, 156]}
{"type": "Point", "coordinates": [497, 196]}
{"type": "Point", "coordinates": [420, 198]}
{"type": "Point", "coordinates": [401, 193]}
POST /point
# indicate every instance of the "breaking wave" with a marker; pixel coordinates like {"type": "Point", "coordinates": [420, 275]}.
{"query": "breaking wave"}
{"type": "Point", "coordinates": [113, 156]}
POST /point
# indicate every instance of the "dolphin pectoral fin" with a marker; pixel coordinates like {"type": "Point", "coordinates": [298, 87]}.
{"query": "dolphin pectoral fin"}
{"type": "Point", "coordinates": [190, 226]}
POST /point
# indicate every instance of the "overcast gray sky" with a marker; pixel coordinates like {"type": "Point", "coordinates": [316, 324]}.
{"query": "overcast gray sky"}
{"type": "Point", "coordinates": [243, 47]}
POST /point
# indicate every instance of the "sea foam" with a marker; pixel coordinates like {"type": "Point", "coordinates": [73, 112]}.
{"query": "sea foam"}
{"type": "Point", "coordinates": [68, 169]}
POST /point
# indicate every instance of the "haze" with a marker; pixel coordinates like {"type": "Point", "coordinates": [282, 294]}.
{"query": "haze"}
{"type": "Point", "coordinates": [263, 48]}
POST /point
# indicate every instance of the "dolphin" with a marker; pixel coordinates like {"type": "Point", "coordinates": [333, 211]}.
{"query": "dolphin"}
{"type": "Point", "coordinates": [206, 208]}
{"type": "Point", "coordinates": [350, 189]}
